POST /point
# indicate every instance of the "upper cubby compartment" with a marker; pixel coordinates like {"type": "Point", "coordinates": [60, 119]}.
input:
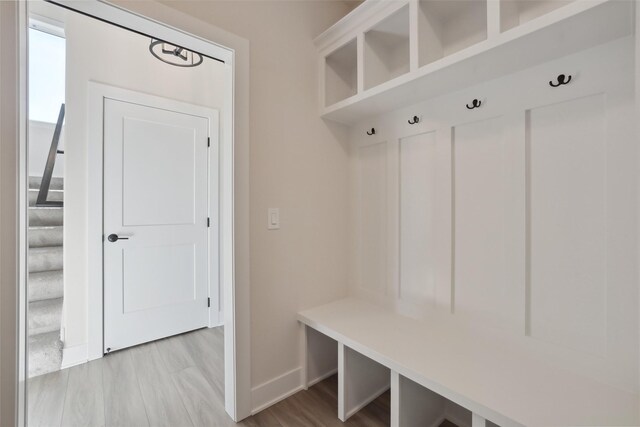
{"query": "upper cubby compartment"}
{"type": "Point", "coordinates": [387, 54]}
{"type": "Point", "coordinates": [448, 26]}
{"type": "Point", "coordinates": [341, 73]}
{"type": "Point", "coordinates": [386, 49]}
{"type": "Point", "coordinates": [514, 13]}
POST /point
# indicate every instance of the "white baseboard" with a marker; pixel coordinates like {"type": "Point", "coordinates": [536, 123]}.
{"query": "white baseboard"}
{"type": "Point", "coordinates": [322, 377]}
{"type": "Point", "coordinates": [439, 421]}
{"type": "Point", "coordinates": [72, 356]}
{"type": "Point", "coordinates": [275, 390]}
{"type": "Point", "coordinates": [366, 401]}
{"type": "Point", "coordinates": [216, 318]}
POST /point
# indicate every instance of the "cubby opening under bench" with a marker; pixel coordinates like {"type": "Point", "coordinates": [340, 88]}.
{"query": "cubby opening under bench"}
{"type": "Point", "coordinates": [440, 369]}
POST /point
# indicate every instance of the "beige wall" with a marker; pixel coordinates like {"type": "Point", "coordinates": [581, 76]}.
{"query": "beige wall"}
{"type": "Point", "coordinates": [106, 54]}
{"type": "Point", "coordinates": [298, 164]}
{"type": "Point", "coordinates": [8, 216]}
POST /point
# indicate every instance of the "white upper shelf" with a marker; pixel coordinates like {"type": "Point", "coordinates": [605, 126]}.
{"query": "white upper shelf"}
{"type": "Point", "coordinates": [388, 54]}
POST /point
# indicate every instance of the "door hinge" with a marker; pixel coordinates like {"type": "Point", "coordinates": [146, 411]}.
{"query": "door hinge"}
{"type": "Point", "coordinates": [208, 302]}
{"type": "Point", "coordinates": [208, 222]}
{"type": "Point", "coordinates": [208, 141]}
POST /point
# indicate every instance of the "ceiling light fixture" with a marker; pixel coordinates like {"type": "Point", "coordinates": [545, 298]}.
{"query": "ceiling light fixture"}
{"type": "Point", "coordinates": [174, 55]}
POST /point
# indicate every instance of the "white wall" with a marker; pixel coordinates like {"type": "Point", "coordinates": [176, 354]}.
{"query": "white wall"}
{"type": "Point", "coordinates": [102, 53]}
{"type": "Point", "coordinates": [40, 135]}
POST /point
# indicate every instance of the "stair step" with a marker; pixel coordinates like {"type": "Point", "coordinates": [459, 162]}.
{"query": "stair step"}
{"type": "Point", "coordinates": [53, 196]}
{"type": "Point", "coordinates": [45, 216]}
{"type": "Point", "coordinates": [45, 285]}
{"type": "Point", "coordinates": [57, 183]}
{"type": "Point", "coordinates": [45, 316]}
{"type": "Point", "coordinates": [45, 259]}
{"type": "Point", "coordinates": [45, 236]}
{"type": "Point", "coordinates": [45, 353]}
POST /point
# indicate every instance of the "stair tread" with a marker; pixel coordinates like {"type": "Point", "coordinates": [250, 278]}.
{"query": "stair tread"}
{"type": "Point", "coordinates": [56, 183]}
{"type": "Point", "coordinates": [45, 249]}
{"type": "Point", "coordinates": [51, 190]}
{"type": "Point", "coordinates": [45, 207]}
{"type": "Point", "coordinates": [45, 353]}
{"type": "Point", "coordinates": [45, 236]}
{"type": "Point", "coordinates": [46, 258]}
{"type": "Point", "coordinates": [45, 316]}
{"type": "Point", "coordinates": [45, 216]}
{"type": "Point", "coordinates": [45, 285]}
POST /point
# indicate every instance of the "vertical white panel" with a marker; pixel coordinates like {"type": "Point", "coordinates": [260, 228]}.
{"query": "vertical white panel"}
{"type": "Point", "coordinates": [478, 421]}
{"type": "Point", "coordinates": [418, 243]}
{"type": "Point", "coordinates": [488, 181]}
{"type": "Point", "coordinates": [373, 217]}
{"type": "Point", "coordinates": [395, 399]}
{"type": "Point", "coordinates": [342, 414]}
{"type": "Point", "coordinates": [568, 247]}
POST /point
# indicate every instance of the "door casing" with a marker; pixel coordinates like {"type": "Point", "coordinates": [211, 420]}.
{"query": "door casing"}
{"type": "Point", "coordinates": [234, 186]}
{"type": "Point", "coordinates": [98, 94]}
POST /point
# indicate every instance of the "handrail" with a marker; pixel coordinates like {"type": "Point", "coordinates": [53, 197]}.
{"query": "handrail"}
{"type": "Point", "coordinates": [45, 184]}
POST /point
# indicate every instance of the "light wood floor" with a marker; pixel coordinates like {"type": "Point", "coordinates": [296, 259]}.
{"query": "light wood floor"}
{"type": "Point", "coordinates": [174, 382]}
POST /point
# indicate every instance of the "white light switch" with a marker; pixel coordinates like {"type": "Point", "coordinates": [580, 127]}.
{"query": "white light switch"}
{"type": "Point", "coordinates": [273, 219]}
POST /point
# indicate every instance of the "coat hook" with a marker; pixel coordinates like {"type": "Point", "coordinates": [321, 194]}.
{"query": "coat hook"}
{"type": "Point", "coordinates": [415, 120]}
{"type": "Point", "coordinates": [562, 80]}
{"type": "Point", "coordinates": [373, 132]}
{"type": "Point", "coordinates": [475, 104]}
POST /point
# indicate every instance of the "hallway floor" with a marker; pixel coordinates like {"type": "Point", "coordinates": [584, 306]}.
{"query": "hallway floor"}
{"type": "Point", "coordinates": [177, 381]}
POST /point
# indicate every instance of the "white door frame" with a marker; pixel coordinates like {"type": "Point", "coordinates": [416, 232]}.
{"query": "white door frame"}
{"type": "Point", "coordinates": [97, 93]}
{"type": "Point", "coordinates": [234, 190]}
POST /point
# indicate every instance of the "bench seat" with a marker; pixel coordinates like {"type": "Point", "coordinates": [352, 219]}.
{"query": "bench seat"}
{"type": "Point", "coordinates": [476, 368]}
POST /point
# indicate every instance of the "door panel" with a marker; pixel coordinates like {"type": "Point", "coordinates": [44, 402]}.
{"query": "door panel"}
{"type": "Point", "coordinates": [488, 214]}
{"type": "Point", "coordinates": [568, 153]}
{"type": "Point", "coordinates": [168, 268]}
{"type": "Point", "coordinates": [150, 150]}
{"type": "Point", "coordinates": [418, 241]}
{"type": "Point", "coordinates": [372, 211]}
{"type": "Point", "coordinates": [155, 194]}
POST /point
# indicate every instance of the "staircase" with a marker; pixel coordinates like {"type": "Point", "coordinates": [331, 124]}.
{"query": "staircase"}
{"type": "Point", "coordinates": [45, 286]}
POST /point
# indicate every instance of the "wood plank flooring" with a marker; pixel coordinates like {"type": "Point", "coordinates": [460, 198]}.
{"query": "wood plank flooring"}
{"type": "Point", "coordinates": [176, 382]}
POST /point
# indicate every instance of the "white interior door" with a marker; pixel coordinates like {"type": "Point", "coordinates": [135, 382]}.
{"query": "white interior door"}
{"type": "Point", "coordinates": [156, 206]}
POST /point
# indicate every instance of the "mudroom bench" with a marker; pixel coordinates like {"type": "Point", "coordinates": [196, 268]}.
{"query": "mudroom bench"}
{"type": "Point", "coordinates": [440, 369]}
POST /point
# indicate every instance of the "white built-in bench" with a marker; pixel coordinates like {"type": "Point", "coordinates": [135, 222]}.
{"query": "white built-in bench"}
{"type": "Point", "coordinates": [439, 369]}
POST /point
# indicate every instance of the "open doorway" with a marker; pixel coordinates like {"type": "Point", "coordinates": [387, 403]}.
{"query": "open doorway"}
{"type": "Point", "coordinates": [46, 193]}
{"type": "Point", "coordinates": [131, 198]}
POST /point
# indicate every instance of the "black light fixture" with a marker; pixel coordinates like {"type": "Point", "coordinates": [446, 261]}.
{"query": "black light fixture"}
{"type": "Point", "coordinates": [174, 55]}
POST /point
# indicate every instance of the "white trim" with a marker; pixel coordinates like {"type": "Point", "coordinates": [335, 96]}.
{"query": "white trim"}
{"type": "Point", "coordinates": [366, 401]}
{"type": "Point", "coordinates": [322, 377]}
{"type": "Point", "coordinates": [281, 386]}
{"type": "Point", "coordinates": [213, 171]}
{"type": "Point", "coordinates": [23, 221]}
{"type": "Point", "coordinates": [119, 16]}
{"type": "Point", "coordinates": [442, 419]}
{"type": "Point", "coordinates": [46, 25]}
{"type": "Point", "coordinates": [72, 356]}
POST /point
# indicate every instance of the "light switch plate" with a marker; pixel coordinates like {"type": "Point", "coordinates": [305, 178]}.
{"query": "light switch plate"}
{"type": "Point", "coordinates": [273, 219]}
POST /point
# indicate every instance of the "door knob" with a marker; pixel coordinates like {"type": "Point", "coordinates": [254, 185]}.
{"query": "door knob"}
{"type": "Point", "coordinates": [114, 238]}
